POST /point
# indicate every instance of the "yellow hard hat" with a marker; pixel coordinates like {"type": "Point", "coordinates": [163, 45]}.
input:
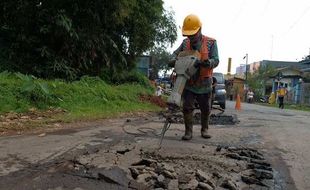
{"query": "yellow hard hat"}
{"type": "Point", "coordinates": [191, 25]}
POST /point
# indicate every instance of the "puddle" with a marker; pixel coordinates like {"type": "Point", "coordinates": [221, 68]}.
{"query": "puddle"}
{"type": "Point", "coordinates": [252, 125]}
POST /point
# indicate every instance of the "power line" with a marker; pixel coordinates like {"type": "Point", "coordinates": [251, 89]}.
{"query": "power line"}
{"type": "Point", "coordinates": [298, 19]}
{"type": "Point", "coordinates": [271, 47]}
{"type": "Point", "coordinates": [239, 11]}
{"type": "Point", "coordinates": [266, 6]}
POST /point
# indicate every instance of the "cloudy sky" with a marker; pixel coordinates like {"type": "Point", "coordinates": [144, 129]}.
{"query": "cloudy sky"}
{"type": "Point", "coordinates": [265, 29]}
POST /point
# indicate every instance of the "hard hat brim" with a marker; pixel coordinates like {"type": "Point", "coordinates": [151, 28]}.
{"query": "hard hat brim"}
{"type": "Point", "coordinates": [189, 32]}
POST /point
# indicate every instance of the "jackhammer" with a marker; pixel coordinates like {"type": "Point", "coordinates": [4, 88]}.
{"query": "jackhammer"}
{"type": "Point", "coordinates": [185, 69]}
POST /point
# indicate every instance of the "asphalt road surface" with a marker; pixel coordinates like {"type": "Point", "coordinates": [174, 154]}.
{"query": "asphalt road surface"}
{"type": "Point", "coordinates": [33, 161]}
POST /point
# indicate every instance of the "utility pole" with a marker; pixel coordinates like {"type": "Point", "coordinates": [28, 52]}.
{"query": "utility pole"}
{"type": "Point", "coordinates": [229, 66]}
{"type": "Point", "coordinates": [271, 51]}
{"type": "Point", "coordinates": [246, 68]}
{"type": "Point", "coordinates": [246, 74]}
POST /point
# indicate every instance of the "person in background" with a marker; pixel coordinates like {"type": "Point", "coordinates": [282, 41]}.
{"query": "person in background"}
{"type": "Point", "coordinates": [250, 96]}
{"type": "Point", "coordinates": [159, 91]}
{"type": "Point", "coordinates": [281, 93]}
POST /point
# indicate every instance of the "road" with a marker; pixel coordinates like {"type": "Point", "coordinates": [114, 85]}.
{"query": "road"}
{"type": "Point", "coordinates": [284, 133]}
{"type": "Point", "coordinates": [280, 135]}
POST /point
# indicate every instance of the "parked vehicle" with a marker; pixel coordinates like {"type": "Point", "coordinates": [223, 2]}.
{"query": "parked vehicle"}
{"type": "Point", "coordinates": [264, 99]}
{"type": "Point", "coordinates": [163, 82]}
{"type": "Point", "coordinates": [220, 92]}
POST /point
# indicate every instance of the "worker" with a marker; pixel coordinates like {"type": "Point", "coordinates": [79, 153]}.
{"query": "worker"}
{"type": "Point", "coordinates": [199, 87]}
{"type": "Point", "coordinates": [281, 93]}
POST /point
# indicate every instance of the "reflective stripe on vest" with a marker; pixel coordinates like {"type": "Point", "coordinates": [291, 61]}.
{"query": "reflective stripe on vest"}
{"type": "Point", "coordinates": [204, 52]}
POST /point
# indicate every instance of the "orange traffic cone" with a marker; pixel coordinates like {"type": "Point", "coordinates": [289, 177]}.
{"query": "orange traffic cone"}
{"type": "Point", "coordinates": [238, 103]}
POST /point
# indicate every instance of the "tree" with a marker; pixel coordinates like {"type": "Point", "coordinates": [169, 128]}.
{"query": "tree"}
{"type": "Point", "coordinates": [257, 80]}
{"type": "Point", "coordinates": [71, 38]}
{"type": "Point", "coordinates": [161, 58]}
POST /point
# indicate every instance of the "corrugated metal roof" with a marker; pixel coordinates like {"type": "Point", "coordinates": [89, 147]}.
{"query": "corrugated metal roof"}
{"type": "Point", "coordinates": [280, 64]}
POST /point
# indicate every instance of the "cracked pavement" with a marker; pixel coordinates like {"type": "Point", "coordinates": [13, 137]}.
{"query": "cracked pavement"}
{"type": "Point", "coordinates": [73, 158]}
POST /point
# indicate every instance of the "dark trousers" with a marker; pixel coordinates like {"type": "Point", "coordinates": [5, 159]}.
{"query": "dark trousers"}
{"type": "Point", "coordinates": [204, 102]}
{"type": "Point", "coordinates": [281, 102]}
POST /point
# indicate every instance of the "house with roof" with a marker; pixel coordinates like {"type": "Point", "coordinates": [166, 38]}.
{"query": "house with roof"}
{"type": "Point", "coordinates": [292, 74]}
{"type": "Point", "coordinates": [291, 79]}
{"type": "Point", "coordinates": [234, 84]}
{"type": "Point", "coordinates": [143, 64]}
{"type": "Point", "coordinates": [306, 68]}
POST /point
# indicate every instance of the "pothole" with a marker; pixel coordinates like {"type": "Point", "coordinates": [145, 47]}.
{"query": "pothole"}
{"type": "Point", "coordinates": [228, 167]}
{"type": "Point", "coordinates": [213, 167]}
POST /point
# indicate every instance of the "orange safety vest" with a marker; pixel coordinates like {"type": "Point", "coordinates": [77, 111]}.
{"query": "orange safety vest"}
{"type": "Point", "coordinates": [204, 52]}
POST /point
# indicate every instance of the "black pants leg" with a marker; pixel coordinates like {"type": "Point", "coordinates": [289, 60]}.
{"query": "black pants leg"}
{"type": "Point", "coordinates": [281, 103]}
{"type": "Point", "coordinates": [204, 101]}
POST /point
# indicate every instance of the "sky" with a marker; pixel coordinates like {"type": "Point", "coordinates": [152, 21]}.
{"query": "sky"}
{"type": "Point", "coordinates": [263, 29]}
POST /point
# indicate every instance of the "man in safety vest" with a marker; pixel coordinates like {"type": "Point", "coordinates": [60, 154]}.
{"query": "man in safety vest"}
{"type": "Point", "coordinates": [199, 87]}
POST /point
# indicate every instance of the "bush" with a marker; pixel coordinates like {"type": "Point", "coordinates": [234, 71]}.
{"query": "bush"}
{"type": "Point", "coordinates": [89, 97]}
{"type": "Point", "coordinates": [127, 77]}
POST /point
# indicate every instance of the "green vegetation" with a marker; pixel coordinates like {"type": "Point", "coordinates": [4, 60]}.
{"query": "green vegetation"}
{"type": "Point", "coordinates": [88, 98]}
{"type": "Point", "coordinates": [48, 47]}
{"type": "Point", "coordinates": [71, 38]}
{"type": "Point", "coordinates": [257, 80]}
{"type": "Point", "coordinates": [297, 107]}
{"type": "Point", "coordinates": [162, 57]}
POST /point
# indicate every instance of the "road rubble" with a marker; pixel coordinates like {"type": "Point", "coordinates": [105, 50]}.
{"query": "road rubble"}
{"type": "Point", "coordinates": [228, 167]}
{"type": "Point", "coordinates": [125, 154]}
{"type": "Point", "coordinates": [129, 164]}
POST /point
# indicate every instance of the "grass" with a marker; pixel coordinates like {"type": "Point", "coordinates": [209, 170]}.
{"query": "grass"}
{"type": "Point", "coordinates": [87, 99]}
{"type": "Point", "coordinates": [297, 107]}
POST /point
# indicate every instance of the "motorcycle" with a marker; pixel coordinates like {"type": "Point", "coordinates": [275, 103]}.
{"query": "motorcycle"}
{"type": "Point", "coordinates": [264, 99]}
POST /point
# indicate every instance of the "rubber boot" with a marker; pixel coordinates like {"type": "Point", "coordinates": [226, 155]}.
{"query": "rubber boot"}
{"type": "Point", "coordinates": [188, 120]}
{"type": "Point", "coordinates": [205, 125]}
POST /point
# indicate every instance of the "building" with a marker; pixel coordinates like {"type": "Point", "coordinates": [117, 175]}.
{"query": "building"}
{"type": "Point", "coordinates": [291, 79]}
{"type": "Point", "coordinates": [254, 67]}
{"type": "Point", "coordinates": [294, 75]}
{"type": "Point", "coordinates": [143, 64]}
{"type": "Point", "coordinates": [240, 70]}
{"type": "Point", "coordinates": [304, 64]}
{"type": "Point", "coordinates": [306, 69]}
{"type": "Point", "coordinates": [234, 85]}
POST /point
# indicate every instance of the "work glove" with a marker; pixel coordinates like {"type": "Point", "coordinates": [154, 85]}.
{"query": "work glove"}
{"type": "Point", "coordinates": [171, 63]}
{"type": "Point", "coordinates": [207, 63]}
{"type": "Point", "coordinates": [197, 63]}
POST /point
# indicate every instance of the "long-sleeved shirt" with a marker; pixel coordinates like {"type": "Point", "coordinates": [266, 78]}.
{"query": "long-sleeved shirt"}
{"type": "Point", "coordinates": [212, 62]}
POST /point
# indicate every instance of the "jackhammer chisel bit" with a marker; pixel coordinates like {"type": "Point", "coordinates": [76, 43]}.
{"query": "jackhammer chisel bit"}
{"type": "Point", "coordinates": [163, 131]}
{"type": "Point", "coordinates": [185, 69]}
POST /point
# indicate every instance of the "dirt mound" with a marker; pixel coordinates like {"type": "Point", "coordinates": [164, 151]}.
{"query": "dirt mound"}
{"type": "Point", "coordinates": [12, 121]}
{"type": "Point", "coordinates": [157, 100]}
